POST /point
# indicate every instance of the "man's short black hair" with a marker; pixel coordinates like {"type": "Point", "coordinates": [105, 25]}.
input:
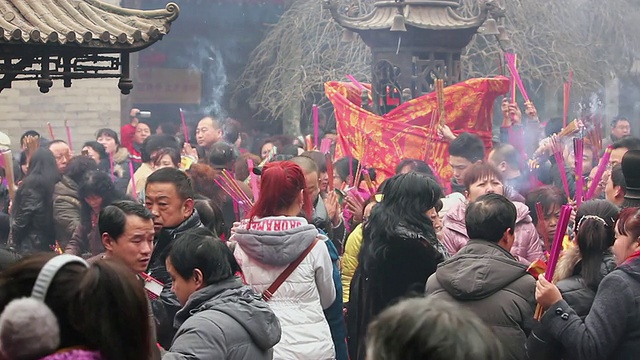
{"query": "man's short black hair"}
{"type": "Point", "coordinates": [489, 217]}
{"type": "Point", "coordinates": [507, 153]}
{"type": "Point", "coordinates": [156, 142]}
{"type": "Point", "coordinates": [617, 178]}
{"type": "Point", "coordinates": [467, 146]}
{"type": "Point", "coordinates": [113, 218]}
{"type": "Point", "coordinates": [175, 177]}
{"type": "Point", "coordinates": [617, 119]}
{"type": "Point", "coordinates": [628, 142]}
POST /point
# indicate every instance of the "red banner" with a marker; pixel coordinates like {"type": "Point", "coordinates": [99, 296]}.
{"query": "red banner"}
{"type": "Point", "coordinates": [383, 141]}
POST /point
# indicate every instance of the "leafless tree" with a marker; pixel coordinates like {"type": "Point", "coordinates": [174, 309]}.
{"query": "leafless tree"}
{"type": "Point", "coordinates": [594, 38]}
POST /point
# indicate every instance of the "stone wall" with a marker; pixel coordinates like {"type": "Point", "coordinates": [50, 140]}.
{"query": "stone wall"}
{"type": "Point", "coordinates": [88, 105]}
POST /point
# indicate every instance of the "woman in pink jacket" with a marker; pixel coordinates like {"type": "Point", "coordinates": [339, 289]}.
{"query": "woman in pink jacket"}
{"type": "Point", "coordinates": [482, 179]}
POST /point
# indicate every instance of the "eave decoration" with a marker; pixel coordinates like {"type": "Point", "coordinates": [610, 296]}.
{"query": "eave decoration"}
{"type": "Point", "coordinates": [48, 40]}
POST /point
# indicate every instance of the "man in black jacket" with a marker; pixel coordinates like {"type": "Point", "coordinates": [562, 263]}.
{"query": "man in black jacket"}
{"type": "Point", "coordinates": [486, 279]}
{"type": "Point", "coordinates": [169, 197]}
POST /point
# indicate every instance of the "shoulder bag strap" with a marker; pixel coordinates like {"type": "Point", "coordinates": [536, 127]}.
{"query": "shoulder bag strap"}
{"type": "Point", "coordinates": [267, 294]}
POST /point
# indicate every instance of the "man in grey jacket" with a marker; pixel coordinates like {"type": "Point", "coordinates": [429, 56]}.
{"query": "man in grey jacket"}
{"type": "Point", "coordinates": [221, 317]}
{"type": "Point", "coordinates": [486, 279]}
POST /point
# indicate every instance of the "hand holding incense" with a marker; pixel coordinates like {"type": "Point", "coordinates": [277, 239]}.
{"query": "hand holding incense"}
{"type": "Point", "coordinates": [561, 229]}
{"type": "Point", "coordinates": [602, 166]}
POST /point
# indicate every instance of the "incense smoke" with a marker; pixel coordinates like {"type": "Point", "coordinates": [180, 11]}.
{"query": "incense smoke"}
{"type": "Point", "coordinates": [207, 58]}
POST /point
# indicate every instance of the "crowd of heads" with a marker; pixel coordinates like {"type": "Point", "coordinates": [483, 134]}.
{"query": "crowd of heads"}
{"type": "Point", "coordinates": [292, 183]}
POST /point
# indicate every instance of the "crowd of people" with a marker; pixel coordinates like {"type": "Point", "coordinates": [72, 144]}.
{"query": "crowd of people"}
{"type": "Point", "coordinates": [141, 248]}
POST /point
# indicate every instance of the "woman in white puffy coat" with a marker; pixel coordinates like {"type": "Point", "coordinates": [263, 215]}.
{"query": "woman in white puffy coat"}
{"type": "Point", "coordinates": [273, 237]}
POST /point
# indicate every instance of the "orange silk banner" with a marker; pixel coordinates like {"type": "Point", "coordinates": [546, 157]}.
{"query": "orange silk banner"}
{"type": "Point", "coordinates": [383, 141]}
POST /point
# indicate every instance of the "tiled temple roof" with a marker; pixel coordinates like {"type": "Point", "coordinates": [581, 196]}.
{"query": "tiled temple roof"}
{"type": "Point", "coordinates": [82, 23]}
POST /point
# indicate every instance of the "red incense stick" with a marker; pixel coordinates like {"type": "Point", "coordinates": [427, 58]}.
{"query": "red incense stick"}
{"type": "Point", "coordinates": [70, 143]}
{"type": "Point", "coordinates": [316, 129]}
{"type": "Point", "coordinates": [578, 149]}
{"type": "Point", "coordinates": [50, 131]}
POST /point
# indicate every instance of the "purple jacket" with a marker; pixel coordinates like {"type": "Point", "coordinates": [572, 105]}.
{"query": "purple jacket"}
{"type": "Point", "coordinates": [527, 246]}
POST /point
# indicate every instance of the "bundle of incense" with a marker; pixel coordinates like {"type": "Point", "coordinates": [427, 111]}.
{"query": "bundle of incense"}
{"type": "Point", "coordinates": [561, 229]}
{"type": "Point", "coordinates": [511, 64]}
{"type": "Point", "coordinates": [367, 180]}
{"type": "Point", "coordinates": [542, 223]}
{"type": "Point", "coordinates": [602, 166]}
{"type": "Point", "coordinates": [329, 164]}
{"type": "Point", "coordinates": [440, 99]}
{"type": "Point", "coordinates": [253, 180]}
{"type": "Point", "coordinates": [557, 153]}
{"type": "Point", "coordinates": [272, 153]}
{"type": "Point", "coordinates": [325, 146]}
{"type": "Point", "coordinates": [32, 143]}
{"type": "Point", "coordinates": [229, 185]}
{"type": "Point", "coordinates": [133, 181]}
{"type": "Point", "coordinates": [308, 143]}
{"type": "Point", "coordinates": [185, 130]}
{"type": "Point", "coordinates": [69, 142]}
{"type": "Point", "coordinates": [537, 268]}
{"type": "Point", "coordinates": [356, 177]}
{"type": "Point", "coordinates": [356, 82]}
{"type": "Point", "coordinates": [569, 129]}
{"type": "Point", "coordinates": [432, 131]}
{"type": "Point", "coordinates": [316, 129]}
{"type": "Point", "coordinates": [233, 194]}
{"type": "Point", "coordinates": [50, 131]}
{"type": "Point", "coordinates": [578, 149]}
{"type": "Point", "coordinates": [9, 175]}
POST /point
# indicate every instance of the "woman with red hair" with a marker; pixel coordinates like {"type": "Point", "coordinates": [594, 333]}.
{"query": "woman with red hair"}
{"type": "Point", "coordinates": [277, 245]}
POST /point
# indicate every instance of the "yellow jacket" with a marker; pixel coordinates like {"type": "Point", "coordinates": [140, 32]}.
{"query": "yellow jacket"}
{"type": "Point", "coordinates": [350, 260]}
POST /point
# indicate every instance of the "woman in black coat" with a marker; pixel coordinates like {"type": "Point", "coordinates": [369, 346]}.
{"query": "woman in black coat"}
{"type": "Point", "coordinates": [399, 253]}
{"type": "Point", "coordinates": [580, 271]}
{"type": "Point", "coordinates": [32, 225]}
{"type": "Point", "coordinates": [611, 329]}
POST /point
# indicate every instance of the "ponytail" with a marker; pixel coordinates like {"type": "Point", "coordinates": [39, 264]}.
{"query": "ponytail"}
{"type": "Point", "coordinates": [595, 235]}
{"type": "Point", "coordinates": [112, 308]}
